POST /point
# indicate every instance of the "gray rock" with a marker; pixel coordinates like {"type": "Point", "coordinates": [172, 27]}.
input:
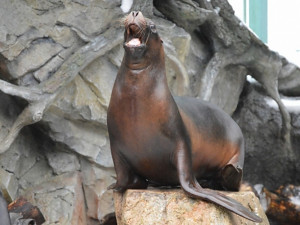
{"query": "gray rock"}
{"type": "Point", "coordinates": [21, 43]}
{"type": "Point", "coordinates": [228, 88]}
{"type": "Point", "coordinates": [100, 77]}
{"type": "Point", "coordinates": [48, 69]}
{"type": "Point", "coordinates": [23, 164]}
{"type": "Point", "coordinates": [80, 102]}
{"type": "Point", "coordinates": [177, 47]}
{"type": "Point", "coordinates": [8, 185]}
{"type": "Point", "coordinates": [289, 79]}
{"type": "Point", "coordinates": [84, 138]}
{"type": "Point", "coordinates": [90, 17]}
{"type": "Point", "coordinates": [63, 35]}
{"type": "Point", "coordinates": [38, 173]}
{"type": "Point", "coordinates": [146, 7]}
{"type": "Point", "coordinates": [62, 162]}
{"type": "Point", "coordinates": [260, 121]}
{"type": "Point", "coordinates": [96, 179]}
{"type": "Point", "coordinates": [33, 58]}
{"type": "Point", "coordinates": [60, 200]}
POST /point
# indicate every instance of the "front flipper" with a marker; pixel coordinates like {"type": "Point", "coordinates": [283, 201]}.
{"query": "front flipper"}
{"type": "Point", "coordinates": [126, 177]}
{"type": "Point", "coordinates": [191, 186]}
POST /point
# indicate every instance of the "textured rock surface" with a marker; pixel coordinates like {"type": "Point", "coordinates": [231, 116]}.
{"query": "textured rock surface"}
{"type": "Point", "coordinates": [174, 207]}
{"type": "Point", "coordinates": [25, 164]}
{"type": "Point", "coordinates": [259, 118]}
{"type": "Point", "coordinates": [60, 199]}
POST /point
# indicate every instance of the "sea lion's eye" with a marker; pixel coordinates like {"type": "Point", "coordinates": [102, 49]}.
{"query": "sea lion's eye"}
{"type": "Point", "coordinates": [152, 28]}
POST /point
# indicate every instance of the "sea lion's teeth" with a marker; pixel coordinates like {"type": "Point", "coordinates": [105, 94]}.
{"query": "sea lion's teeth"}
{"type": "Point", "coordinates": [134, 42]}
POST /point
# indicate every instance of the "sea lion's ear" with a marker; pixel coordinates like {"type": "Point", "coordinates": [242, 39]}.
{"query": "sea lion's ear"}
{"type": "Point", "coordinates": [161, 41]}
{"type": "Point", "coordinates": [152, 28]}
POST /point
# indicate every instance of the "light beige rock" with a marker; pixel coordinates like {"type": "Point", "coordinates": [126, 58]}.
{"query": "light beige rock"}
{"type": "Point", "coordinates": [161, 207]}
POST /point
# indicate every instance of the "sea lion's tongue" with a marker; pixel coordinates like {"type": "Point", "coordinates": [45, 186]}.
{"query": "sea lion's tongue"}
{"type": "Point", "coordinates": [134, 42]}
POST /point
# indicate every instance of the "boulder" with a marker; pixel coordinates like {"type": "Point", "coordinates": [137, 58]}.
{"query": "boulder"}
{"type": "Point", "coordinates": [175, 207]}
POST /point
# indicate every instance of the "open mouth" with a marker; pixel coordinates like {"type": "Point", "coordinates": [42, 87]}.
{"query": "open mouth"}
{"type": "Point", "coordinates": [134, 36]}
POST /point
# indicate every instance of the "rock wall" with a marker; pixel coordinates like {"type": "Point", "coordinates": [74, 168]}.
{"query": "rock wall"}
{"type": "Point", "coordinates": [266, 160]}
{"type": "Point", "coordinates": [66, 156]}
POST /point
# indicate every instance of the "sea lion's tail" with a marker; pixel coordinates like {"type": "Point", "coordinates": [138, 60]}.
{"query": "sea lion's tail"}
{"type": "Point", "coordinates": [222, 200]}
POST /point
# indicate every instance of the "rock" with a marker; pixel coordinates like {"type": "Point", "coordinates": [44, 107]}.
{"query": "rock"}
{"type": "Point", "coordinates": [17, 20]}
{"type": "Point", "coordinates": [22, 165]}
{"type": "Point", "coordinates": [8, 185]}
{"type": "Point", "coordinates": [83, 126]}
{"type": "Point", "coordinates": [99, 200]}
{"type": "Point", "coordinates": [175, 207]}
{"type": "Point", "coordinates": [230, 83]}
{"type": "Point", "coordinates": [100, 77]}
{"type": "Point", "coordinates": [260, 121]}
{"type": "Point", "coordinates": [91, 17]}
{"type": "Point", "coordinates": [21, 43]}
{"type": "Point", "coordinates": [86, 139]}
{"type": "Point", "coordinates": [39, 172]}
{"type": "Point", "coordinates": [177, 47]}
{"type": "Point", "coordinates": [60, 200]}
{"type": "Point", "coordinates": [146, 7]}
{"type": "Point", "coordinates": [289, 79]}
{"type": "Point", "coordinates": [62, 162]}
{"type": "Point", "coordinates": [48, 69]}
{"type": "Point", "coordinates": [34, 57]}
{"type": "Point", "coordinates": [195, 63]}
{"type": "Point", "coordinates": [63, 35]}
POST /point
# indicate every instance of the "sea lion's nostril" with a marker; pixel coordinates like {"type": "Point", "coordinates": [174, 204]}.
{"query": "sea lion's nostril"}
{"type": "Point", "coordinates": [135, 13]}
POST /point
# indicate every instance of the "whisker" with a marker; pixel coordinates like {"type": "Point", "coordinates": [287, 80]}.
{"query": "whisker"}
{"type": "Point", "coordinates": [142, 32]}
{"type": "Point", "coordinates": [147, 38]}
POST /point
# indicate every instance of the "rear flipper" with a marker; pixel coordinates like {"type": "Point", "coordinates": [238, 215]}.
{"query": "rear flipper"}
{"type": "Point", "coordinates": [191, 186]}
{"type": "Point", "coordinates": [231, 177]}
{"type": "Point", "coordinates": [195, 191]}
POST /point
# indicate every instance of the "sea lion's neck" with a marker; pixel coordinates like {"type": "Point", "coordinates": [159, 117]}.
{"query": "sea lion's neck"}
{"type": "Point", "coordinates": [145, 75]}
{"type": "Point", "coordinates": [141, 84]}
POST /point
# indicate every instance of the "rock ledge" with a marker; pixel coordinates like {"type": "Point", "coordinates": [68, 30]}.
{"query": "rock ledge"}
{"type": "Point", "coordinates": [174, 207]}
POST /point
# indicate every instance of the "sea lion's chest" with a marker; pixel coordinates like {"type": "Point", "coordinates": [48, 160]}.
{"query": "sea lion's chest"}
{"type": "Point", "coordinates": [140, 119]}
{"type": "Point", "coordinates": [142, 125]}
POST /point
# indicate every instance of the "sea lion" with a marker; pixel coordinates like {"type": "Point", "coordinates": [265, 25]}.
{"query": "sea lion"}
{"type": "Point", "coordinates": [4, 216]}
{"type": "Point", "coordinates": [164, 141]}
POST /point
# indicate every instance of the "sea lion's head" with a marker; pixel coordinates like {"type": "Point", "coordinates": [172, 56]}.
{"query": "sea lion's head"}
{"type": "Point", "coordinates": [142, 43]}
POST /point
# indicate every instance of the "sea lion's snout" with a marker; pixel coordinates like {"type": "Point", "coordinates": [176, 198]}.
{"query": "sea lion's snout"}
{"type": "Point", "coordinates": [142, 43]}
{"type": "Point", "coordinates": [135, 25]}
